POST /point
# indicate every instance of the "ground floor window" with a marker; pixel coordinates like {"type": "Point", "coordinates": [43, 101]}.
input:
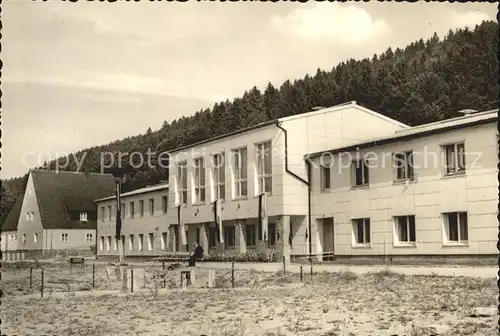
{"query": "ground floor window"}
{"type": "Point", "coordinates": [101, 244]}
{"type": "Point", "coordinates": [271, 229]}
{"type": "Point", "coordinates": [89, 237]}
{"type": "Point", "coordinates": [177, 238]}
{"type": "Point", "coordinates": [108, 243]}
{"type": "Point", "coordinates": [229, 236]}
{"type": "Point", "coordinates": [250, 230]}
{"type": "Point", "coordinates": [163, 240]}
{"type": "Point", "coordinates": [361, 231]}
{"type": "Point", "coordinates": [212, 237]}
{"type": "Point", "coordinates": [456, 227]}
{"type": "Point", "coordinates": [64, 237]}
{"type": "Point", "coordinates": [405, 230]}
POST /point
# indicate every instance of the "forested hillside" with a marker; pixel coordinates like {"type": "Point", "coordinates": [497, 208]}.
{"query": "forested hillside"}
{"type": "Point", "coordinates": [427, 81]}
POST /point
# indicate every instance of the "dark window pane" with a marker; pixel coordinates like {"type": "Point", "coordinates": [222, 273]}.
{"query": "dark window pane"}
{"type": "Point", "coordinates": [412, 229]}
{"type": "Point", "coordinates": [359, 229]}
{"type": "Point", "coordinates": [453, 227]}
{"type": "Point", "coordinates": [403, 233]}
{"type": "Point", "coordinates": [464, 229]}
{"type": "Point", "coordinates": [365, 173]}
{"type": "Point", "coordinates": [367, 228]}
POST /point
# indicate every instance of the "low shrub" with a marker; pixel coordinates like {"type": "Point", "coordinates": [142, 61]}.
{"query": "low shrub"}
{"type": "Point", "coordinates": [250, 257]}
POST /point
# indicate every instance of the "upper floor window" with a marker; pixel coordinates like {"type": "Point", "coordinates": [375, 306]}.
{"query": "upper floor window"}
{"type": "Point", "coordinates": [131, 242]}
{"type": "Point", "coordinates": [151, 206]}
{"type": "Point", "coordinates": [325, 175]}
{"type": "Point", "coordinates": [182, 180]}
{"type": "Point", "coordinates": [122, 210]}
{"type": "Point", "coordinates": [264, 167]}
{"type": "Point", "coordinates": [164, 204]}
{"type": "Point", "coordinates": [240, 172]}
{"type": "Point", "coordinates": [219, 177]}
{"type": "Point", "coordinates": [30, 216]}
{"type": "Point", "coordinates": [102, 214]}
{"type": "Point", "coordinates": [199, 180]}
{"type": "Point", "coordinates": [23, 238]}
{"type": "Point", "coordinates": [35, 237]}
{"type": "Point", "coordinates": [150, 241]}
{"type": "Point", "coordinates": [109, 212]}
{"type": "Point", "coordinates": [141, 208]}
{"type": "Point", "coordinates": [141, 241]}
{"type": "Point", "coordinates": [404, 166]}
{"type": "Point", "coordinates": [360, 173]}
{"type": "Point", "coordinates": [132, 209]}
{"type": "Point", "coordinates": [83, 216]}
{"type": "Point", "coordinates": [455, 158]}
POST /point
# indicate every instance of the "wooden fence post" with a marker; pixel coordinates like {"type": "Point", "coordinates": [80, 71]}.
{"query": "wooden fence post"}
{"type": "Point", "coordinates": [301, 276]}
{"type": "Point", "coordinates": [131, 280]}
{"type": "Point", "coordinates": [41, 289]}
{"type": "Point", "coordinates": [93, 275]}
{"type": "Point", "coordinates": [232, 274]}
{"type": "Point", "coordinates": [31, 276]}
{"type": "Point", "coordinates": [284, 266]}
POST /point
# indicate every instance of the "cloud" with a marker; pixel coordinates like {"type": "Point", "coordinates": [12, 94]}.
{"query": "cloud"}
{"type": "Point", "coordinates": [332, 21]}
{"type": "Point", "coordinates": [468, 19]}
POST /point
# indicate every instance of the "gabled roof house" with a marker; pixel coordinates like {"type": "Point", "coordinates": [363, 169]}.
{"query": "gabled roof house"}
{"type": "Point", "coordinates": [57, 211]}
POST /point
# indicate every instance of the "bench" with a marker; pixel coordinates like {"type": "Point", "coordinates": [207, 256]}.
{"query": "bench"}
{"type": "Point", "coordinates": [74, 260]}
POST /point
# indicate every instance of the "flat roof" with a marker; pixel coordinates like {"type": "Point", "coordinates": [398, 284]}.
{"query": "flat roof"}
{"type": "Point", "coordinates": [137, 192]}
{"type": "Point", "coordinates": [442, 126]}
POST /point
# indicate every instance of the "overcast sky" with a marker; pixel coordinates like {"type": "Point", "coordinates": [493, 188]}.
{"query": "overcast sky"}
{"type": "Point", "coordinates": [82, 74]}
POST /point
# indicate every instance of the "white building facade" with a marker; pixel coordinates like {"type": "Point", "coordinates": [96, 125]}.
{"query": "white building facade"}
{"type": "Point", "coordinates": [265, 159]}
{"type": "Point", "coordinates": [431, 190]}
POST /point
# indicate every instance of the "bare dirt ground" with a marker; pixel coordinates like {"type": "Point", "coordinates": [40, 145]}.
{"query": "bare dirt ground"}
{"type": "Point", "coordinates": [382, 303]}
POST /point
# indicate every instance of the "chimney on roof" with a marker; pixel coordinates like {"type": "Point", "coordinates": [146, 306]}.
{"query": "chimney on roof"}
{"type": "Point", "coordinates": [467, 111]}
{"type": "Point", "coordinates": [317, 108]}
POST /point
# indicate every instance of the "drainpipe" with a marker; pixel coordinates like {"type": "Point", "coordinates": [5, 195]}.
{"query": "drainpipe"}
{"type": "Point", "coordinates": [308, 165]}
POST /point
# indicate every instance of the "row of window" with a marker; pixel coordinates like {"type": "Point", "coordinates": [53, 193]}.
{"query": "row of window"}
{"type": "Point", "coordinates": [109, 212]}
{"type": "Point", "coordinates": [238, 170]}
{"type": "Point", "coordinates": [229, 234]}
{"type": "Point", "coordinates": [456, 229]}
{"type": "Point", "coordinates": [89, 238]}
{"type": "Point", "coordinates": [454, 156]}
{"type": "Point", "coordinates": [31, 215]}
